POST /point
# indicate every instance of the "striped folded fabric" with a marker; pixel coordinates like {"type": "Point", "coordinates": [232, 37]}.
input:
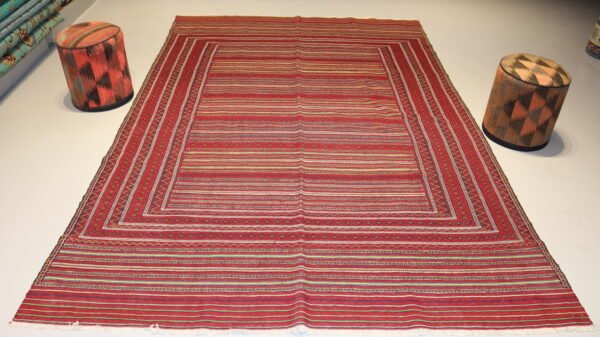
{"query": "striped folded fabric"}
{"type": "Point", "coordinates": [25, 28]}
{"type": "Point", "coordinates": [9, 6]}
{"type": "Point", "coordinates": [21, 15]}
{"type": "Point", "coordinates": [16, 54]}
{"type": "Point", "coordinates": [23, 31]}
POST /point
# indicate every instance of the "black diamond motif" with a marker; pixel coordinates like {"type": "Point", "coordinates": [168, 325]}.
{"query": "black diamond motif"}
{"type": "Point", "coordinates": [108, 51]}
{"type": "Point", "coordinates": [527, 138]}
{"type": "Point", "coordinates": [94, 96]}
{"type": "Point", "coordinates": [87, 71]}
{"type": "Point", "coordinates": [90, 51]}
{"type": "Point", "coordinates": [104, 81]}
{"type": "Point", "coordinates": [543, 126]}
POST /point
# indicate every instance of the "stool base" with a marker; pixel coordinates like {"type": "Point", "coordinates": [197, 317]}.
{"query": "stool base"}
{"type": "Point", "coordinates": [595, 53]}
{"type": "Point", "coordinates": [510, 145]}
{"type": "Point", "coordinates": [106, 107]}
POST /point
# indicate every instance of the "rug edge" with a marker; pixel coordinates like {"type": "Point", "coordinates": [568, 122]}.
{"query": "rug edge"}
{"type": "Point", "coordinates": [185, 18]}
{"type": "Point", "coordinates": [487, 146]}
{"type": "Point", "coordinates": [305, 331]}
{"type": "Point", "coordinates": [103, 162]}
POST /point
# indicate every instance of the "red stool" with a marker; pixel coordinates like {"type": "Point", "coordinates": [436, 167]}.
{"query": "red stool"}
{"type": "Point", "coordinates": [95, 65]}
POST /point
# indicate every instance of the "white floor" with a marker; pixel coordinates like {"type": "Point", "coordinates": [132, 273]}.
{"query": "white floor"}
{"type": "Point", "coordinates": [49, 151]}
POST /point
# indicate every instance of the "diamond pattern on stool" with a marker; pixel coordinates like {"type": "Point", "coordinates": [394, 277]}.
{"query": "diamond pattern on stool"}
{"type": "Point", "coordinates": [536, 70]}
{"type": "Point", "coordinates": [534, 108]}
{"type": "Point", "coordinates": [519, 112]}
{"type": "Point", "coordinates": [97, 74]}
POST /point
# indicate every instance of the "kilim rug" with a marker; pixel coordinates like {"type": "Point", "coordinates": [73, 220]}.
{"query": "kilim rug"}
{"type": "Point", "coordinates": [276, 172]}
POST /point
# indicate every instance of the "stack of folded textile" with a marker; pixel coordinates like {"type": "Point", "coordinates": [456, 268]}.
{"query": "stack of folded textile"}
{"type": "Point", "coordinates": [23, 25]}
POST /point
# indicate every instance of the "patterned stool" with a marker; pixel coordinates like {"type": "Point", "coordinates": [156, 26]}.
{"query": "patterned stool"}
{"type": "Point", "coordinates": [95, 65]}
{"type": "Point", "coordinates": [593, 46]}
{"type": "Point", "coordinates": [525, 101]}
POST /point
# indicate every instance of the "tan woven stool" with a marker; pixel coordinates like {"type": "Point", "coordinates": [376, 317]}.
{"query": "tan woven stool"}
{"type": "Point", "coordinates": [525, 101]}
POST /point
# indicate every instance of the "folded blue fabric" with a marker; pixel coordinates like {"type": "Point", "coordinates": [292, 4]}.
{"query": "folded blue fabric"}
{"type": "Point", "coordinates": [18, 52]}
{"type": "Point", "coordinates": [21, 15]}
{"type": "Point", "coordinates": [28, 26]}
{"type": "Point", "coordinates": [9, 6]}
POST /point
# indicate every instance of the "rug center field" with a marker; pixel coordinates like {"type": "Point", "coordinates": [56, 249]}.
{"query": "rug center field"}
{"type": "Point", "coordinates": [316, 133]}
{"type": "Point", "coordinates": [288, 137]}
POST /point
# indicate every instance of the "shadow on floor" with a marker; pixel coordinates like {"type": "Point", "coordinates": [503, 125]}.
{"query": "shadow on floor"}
{"type": "Point", "coordinates": [555, 148]}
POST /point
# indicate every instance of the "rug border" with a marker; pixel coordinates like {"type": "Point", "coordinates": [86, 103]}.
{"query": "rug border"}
{"type": "Point", "coordinates": [500, 170]}
{"type": "Point", "coordinates": [301, 330]}
{"type": "Point", "coordinates": [103, 162]}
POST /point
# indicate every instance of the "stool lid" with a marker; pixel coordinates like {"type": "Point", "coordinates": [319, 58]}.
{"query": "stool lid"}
{"type": "Point", "coordinates": [86, 34]}
{"type": "Point", "coordinates": [536, 70]}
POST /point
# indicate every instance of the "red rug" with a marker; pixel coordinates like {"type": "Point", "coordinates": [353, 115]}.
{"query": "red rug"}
{"type": "Point", "coordinates": [276, 172]}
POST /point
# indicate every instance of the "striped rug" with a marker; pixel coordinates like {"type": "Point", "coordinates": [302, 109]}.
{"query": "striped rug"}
{"type": "Point", "coordinates": [276, 172]}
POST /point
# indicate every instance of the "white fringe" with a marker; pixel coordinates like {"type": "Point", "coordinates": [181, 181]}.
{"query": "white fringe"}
{"type": "Point", "coordinates": [304, 331]}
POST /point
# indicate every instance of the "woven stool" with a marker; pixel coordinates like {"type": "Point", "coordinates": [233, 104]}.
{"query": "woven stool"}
{"type": "Point", "coordinates": [95, 65]}
{"type": "Point", "coordinates": [525, 101]}
{"type": "Point", "coordinates": [593, 46]}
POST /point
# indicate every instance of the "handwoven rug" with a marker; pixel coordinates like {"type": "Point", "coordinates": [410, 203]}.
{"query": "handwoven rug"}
{"type": "Point", "coordinates": [276, 172]}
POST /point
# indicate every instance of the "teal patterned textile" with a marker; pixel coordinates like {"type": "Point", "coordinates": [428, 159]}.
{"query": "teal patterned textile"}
{"type": "Point", "coordinates": [17, 53]}
{"type": "Point", "coordinates": [22, 32]}
{"type": "Point", "coordinates": [24, 25]}
{"type": "Point", "coordinates": [9, 6]}
{"type": "Point", "coordinates": [21, 15]}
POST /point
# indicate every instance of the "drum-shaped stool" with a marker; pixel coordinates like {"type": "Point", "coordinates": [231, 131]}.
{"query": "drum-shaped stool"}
{"type": "Point", "coordinates": [95, 65]}
{"type": "Point", "coordinates": [593, 46]}
{"type": "Point", "coordinates": [525, 101]}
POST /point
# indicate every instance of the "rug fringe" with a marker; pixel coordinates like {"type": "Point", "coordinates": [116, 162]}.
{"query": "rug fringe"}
{"type": "Point", "coordinates": [304, 331]}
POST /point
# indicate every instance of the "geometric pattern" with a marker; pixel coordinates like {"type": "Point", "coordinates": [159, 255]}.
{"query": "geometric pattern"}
{"type": "Point", "coordinates": [536, 70]}
{"type": "Point", "coordinates": [282, 172]}
{"type": "Point", "coordinates": [522, 111]}
{"type": "Point", "coordinates": [95, 65]}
